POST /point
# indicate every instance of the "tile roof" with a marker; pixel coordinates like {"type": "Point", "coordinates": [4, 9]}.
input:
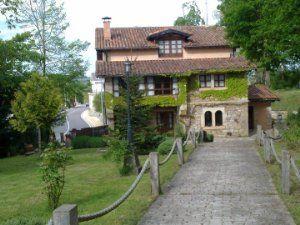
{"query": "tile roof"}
{"type": "Point", "coordinates": [136, 37]}
{"type": "Point", "coordinates": [172, 66]}
{"type": "Point", "coordinates": [260, 92]}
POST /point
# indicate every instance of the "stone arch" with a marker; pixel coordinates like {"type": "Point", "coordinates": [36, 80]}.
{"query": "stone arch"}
{"type": "Point", "coordinates": [219, 118]}
{"type": "Point", "coordinates": [208, 119]}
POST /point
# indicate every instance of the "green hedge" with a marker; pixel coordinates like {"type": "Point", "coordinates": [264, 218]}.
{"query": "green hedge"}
{"type": "Point", "coordinates": [88, 142]}
{"type": "Point", "coordinates": [166, 146]}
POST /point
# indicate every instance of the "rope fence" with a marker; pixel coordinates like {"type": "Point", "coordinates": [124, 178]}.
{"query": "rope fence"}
{"type": "Point", "coordinates": [265, 139]}
{"type": "Point", "coordinates": [68, 214]}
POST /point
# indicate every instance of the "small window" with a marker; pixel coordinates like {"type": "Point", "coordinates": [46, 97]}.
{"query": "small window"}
{"type": "Point", "coordinates": [170, 48]}
{"type": "Point", "coordinates": [163, 85]}
{"type": "Point", "coordinates": [116, 88]}
{"type": "Point", "coordinates": [205, 81]}
{"type": "Point", "coordinates": [208, 119]}
{"type": "Point", "coordinates": [165, 120]}
{"type": "Point", "coordinates": [219, 118]}
{"type": "Point", "coordinates": [219, 80]}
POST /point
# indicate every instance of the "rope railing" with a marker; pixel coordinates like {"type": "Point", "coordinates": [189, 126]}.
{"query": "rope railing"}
{"type": "Point", "coordinates": [69, 212]}
{"type": "Point", "coordinates": [187, 138]}
{"type": "Point", "coordinates": [286, 161]}
{"type": "Point", "coordinates": [119, 201]}
{"type": "Point", "coordinates": [296, 170]}
{"type": "Point", "coordinates": [170, 153]}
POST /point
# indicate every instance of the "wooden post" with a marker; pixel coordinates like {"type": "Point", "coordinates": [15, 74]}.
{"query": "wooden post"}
{"type": "Point", "coordinates": [267, 149]}
{"type": "Point", "coordinates": [65, 215]}
{"type": "Point", "coordinates": [194, 138]}
{"type": "Point", "coordinates": [285, 172]}
{"type": "Point", "coordinates": [180, 151]}
{"type": "Point", "coordinates": [154, 174]}
{"type": "Point", "coordinates": [258, 134]}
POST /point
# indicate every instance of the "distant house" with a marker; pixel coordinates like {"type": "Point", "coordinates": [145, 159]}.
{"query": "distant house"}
{"type": "Point", "coordinates": [187, 72]}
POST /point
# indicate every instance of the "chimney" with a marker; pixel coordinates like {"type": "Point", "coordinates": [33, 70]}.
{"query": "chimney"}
{"type": "Point", "coordinates": [106, 28]}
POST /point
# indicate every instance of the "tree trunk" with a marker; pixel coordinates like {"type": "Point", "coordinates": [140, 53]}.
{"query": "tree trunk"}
{"type": "Point", "coordinates": [267, 78]}
{"type": "Point", "coordinates": [39, 139]}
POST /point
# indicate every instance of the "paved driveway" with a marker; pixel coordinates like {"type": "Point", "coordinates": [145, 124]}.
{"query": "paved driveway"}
{"type": "Point", "coordinates": [223, 183]}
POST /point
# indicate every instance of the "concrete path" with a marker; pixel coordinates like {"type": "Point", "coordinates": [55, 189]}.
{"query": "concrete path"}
{"type": "Point", "coordinates": [223, 183]}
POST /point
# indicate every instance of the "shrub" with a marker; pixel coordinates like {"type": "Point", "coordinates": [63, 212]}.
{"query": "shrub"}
{"type": "Point", "coordinates": [88, 142]}
{"type": "Point", "coordinates": [166, 146]}
{"type": "Point", "coordinates": [25, 221]}
{"type": "Point", "coordinates": [208, 137]}
{"type": "Point", "coordinates": [54, 162]}
{"type": "Point", "coordinates": [292, 134]}
{"type": "Point", "coordinates": [179, 130]}
{"type": "Point", "coordinates": [118, 153]}
{"type": "Point", "coordinates": [145, 142]}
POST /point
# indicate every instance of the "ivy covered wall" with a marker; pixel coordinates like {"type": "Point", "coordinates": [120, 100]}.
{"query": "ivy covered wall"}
{"type": "Point", "coordinates": [236, 86]}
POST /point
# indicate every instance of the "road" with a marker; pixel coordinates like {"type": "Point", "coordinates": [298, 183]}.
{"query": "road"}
{"type": "Point", "coordinates": [223, 183]}
{"type": "Point", "coordinates": [74, 121]}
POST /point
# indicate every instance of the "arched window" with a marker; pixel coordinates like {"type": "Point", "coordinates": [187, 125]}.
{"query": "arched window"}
{"type": "Point", "coordinates": [219, 118]}
{"type": "Point", "coordinates": [208, 119]}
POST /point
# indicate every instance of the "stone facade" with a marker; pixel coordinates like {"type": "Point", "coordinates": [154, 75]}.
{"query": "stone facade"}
{"type": "Point", "coordinates": [262, 114]}
{"type": "Point", "coordinates": [234, 117]}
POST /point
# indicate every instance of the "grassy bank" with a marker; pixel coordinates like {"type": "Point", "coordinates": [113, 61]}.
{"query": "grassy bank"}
{"type": "Point", "coordinates": [289, 100]}
{"type": "Point", "coordinates": [91, 182]}
{"type": "Point", "coordinates": [292, 201]}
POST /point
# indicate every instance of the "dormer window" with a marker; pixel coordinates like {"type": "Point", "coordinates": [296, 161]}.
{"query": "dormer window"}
{"type": "Point", "coordinates": [170, 48]}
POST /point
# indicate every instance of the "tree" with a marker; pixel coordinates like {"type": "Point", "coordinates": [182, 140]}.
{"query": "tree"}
{"type": "Point", "coordinates": [140, 116]}
{"type": "Point", "coordinates": [38, 104]}
{"type": "Point", "coordinates": [46, 19]}
{"type": "Point", "coordinates": [8, 8]}
{"type": "Point", "coordinates": [191, 15]}
{"type": "Point", "coordinates": [16, 58]}
{"type": "Point", "coordinates": [267, 31]}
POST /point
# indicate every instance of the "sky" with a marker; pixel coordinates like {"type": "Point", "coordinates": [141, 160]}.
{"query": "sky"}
{"type": "Point", "coordinates": [85, 15]}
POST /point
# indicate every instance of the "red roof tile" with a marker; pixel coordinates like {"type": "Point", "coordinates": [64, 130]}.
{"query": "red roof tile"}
{"type": "Point", "coordinates": [260, 92]}
{"type": "Point", "coordinates": [171, 66]}
{"type": "Point", "coordinates": [136, 37]}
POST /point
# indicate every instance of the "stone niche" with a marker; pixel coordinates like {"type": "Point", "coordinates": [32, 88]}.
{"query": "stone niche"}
{"type": "Point", "coordinates": [234, 118]}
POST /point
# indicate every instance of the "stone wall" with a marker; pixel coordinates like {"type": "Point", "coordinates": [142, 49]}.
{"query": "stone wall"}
{"type": "Point", "coordinates": [234, 116]}
{"type": "Point", "coordinates": [262, 114]}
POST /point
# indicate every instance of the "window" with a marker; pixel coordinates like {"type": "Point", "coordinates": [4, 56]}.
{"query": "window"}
{"type": "Point", "coordinates": [208, 119]}
{"type": "Point", "coordinates": [219, 118]}
{"type": "Point", "coordinates": [116, 89]}
{"type": "Point", "coordinates": [205, 81]}
{"type": "Point", "coordinates": [163, 85]}
{"type": "Point", "coordinates": [165, 120]}
{"type": "Point", "coordinates": [150, 86]}
{"type": "Point", "coordinates": [219, 80]}
{"type": "Point", "coordinates": [170, 47]}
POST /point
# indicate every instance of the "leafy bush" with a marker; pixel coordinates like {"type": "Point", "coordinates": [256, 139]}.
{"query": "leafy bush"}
{"type": "Point", "coordinates": [208, 137]}
{"type": "Point", "coordinates": [166, 146]}
{"type": "Point", "coordinates": [118, 152]}
{"type": "Point", "coordinates": [25, 221]}
{"type": "Point", "coordinates": [54, 162]}
{"type": "Point", "coordinates": [292, 134]}
{"type": "Point", "coordinates": [179, 130]}
{"type": "Point", "coordinates": [147, 140]}
{"type": "Point", "coordinates": [88, 142]}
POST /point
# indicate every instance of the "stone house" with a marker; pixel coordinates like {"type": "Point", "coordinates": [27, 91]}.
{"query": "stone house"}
{"type": "Point", "coordinates": [188, 73]}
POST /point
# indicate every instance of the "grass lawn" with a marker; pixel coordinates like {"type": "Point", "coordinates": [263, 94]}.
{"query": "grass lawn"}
{"type": "Point", "coordinates": [289, 100]}
{"type": "Point", "coordinates": [292, 201]}
{"type": "Point", "coordinates": [91, 182]}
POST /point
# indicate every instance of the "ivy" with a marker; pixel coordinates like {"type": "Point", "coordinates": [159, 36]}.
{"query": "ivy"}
{"type": "Point", "coordinates": [236, 86]}
{"type": "Point", "coordinates": [168, 100]}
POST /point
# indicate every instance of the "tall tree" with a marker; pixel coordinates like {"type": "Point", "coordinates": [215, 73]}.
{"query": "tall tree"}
{"type": "Point", "coordinates": [46, 19]}
{"type": "Point", "coordinates": [191, 15]}
{"type": "Point", "coordinates": [37, 104]}
{"type": "Point", "coordinates": [267, 31]}
{"type": "Point", "coordinates": [16, 57]}
{"type": "Point", "coordinates": [8, 8]}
